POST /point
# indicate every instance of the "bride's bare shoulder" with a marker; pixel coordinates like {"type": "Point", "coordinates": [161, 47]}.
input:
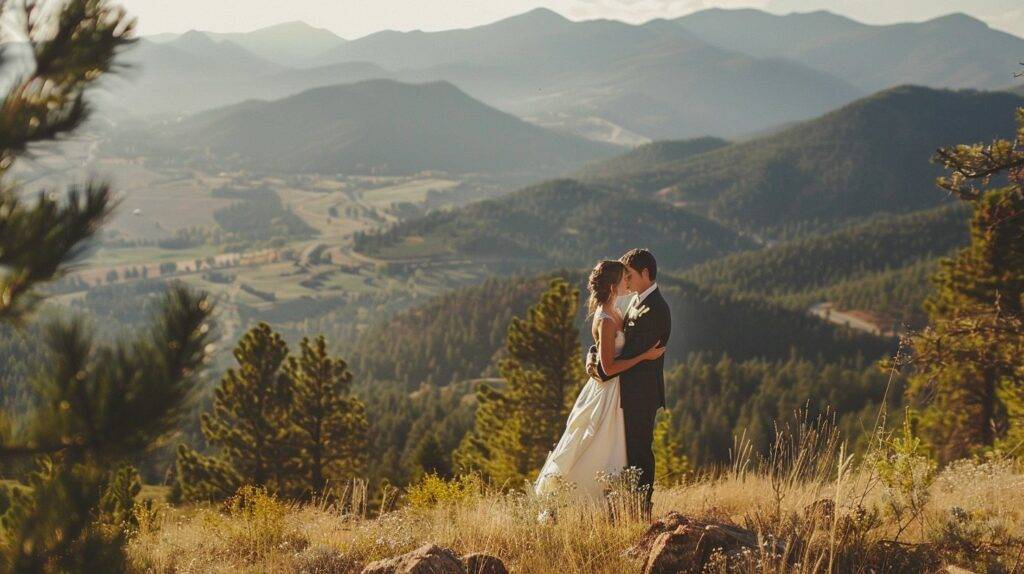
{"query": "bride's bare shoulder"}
{"type": "Point", "coordinates": [615, 318]}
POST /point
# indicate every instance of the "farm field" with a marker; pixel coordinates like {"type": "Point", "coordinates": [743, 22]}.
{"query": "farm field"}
{"type": "Point", "coordinates": [166, 228]}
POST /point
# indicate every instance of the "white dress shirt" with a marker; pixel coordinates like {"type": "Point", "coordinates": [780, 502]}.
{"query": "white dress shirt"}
{"type": "Point", "coordinates": [640, 298]}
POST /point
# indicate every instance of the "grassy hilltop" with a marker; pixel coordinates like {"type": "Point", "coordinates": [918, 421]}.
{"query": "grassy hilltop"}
{"type": "Point", "coordinates": [895, 514]}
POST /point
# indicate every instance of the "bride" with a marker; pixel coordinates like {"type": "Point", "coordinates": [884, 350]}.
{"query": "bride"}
{"type": "Point", "coordinates": [594, 439]}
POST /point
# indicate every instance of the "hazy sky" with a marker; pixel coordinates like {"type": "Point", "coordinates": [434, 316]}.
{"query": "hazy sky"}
{"type": "Point", "coordinates": [355, 18]}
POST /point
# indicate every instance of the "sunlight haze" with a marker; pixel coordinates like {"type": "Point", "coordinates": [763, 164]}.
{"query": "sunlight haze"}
{"type": "Point", "coordinates": [351, 19]}
{"type": "Point", "coordinates": [530, 286]}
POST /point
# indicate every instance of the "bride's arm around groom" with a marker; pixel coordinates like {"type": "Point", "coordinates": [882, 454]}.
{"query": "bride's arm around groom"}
{"type": "Point", "coordinates": [647, 322]}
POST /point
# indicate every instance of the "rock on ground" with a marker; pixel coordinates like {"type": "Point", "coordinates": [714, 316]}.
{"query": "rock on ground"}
{"type": "Point", "coordinates": [676, 543]}
{"type": "Point", "coordinates": [433, 559]}
{"type": "Point", "coordinates": [427, 559]}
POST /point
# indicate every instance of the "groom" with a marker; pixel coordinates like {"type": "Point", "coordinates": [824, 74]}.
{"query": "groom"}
{"type": "Point", "coordinates": [642, 388]}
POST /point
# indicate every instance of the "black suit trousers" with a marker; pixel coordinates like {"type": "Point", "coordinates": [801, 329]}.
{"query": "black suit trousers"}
{"type": "Point", "coordinates": [639, 441]}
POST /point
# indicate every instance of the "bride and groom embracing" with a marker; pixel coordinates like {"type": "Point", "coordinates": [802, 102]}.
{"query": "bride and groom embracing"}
{"type": "Point", "coordinates": [611, 425]}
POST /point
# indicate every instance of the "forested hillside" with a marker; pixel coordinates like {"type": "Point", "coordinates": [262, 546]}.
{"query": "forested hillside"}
{"type": "Point", "coordinates": [880, 244]}
{"type": "Point", "coordinates": [895, 296]}
{"type": "Point", "coordinates": [717, 400]}
{"type": "Point", "coordinates": [558, 223]}
{"type": "Point", "coordinates": [866, 158]}
{"type": "Point", "coordinates": [457, 336]}
{"type": "Point", "coordinates": [649, 157]}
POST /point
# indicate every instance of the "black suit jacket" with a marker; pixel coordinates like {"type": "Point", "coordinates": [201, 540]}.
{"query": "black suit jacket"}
{"type": "Point", "coordinates": [643, 386]}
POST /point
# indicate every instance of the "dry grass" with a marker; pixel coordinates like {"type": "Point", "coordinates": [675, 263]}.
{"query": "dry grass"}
{"type": "Point", "coordinates": [812, 507]}
{"type": "Point", "coordinates": [971, 517]}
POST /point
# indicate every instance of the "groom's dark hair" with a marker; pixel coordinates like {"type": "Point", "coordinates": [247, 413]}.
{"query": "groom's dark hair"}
{"type": "Point", "coordinates": [640, 259]}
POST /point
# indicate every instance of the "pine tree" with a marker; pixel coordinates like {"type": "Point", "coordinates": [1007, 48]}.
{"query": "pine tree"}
{"type": "Point", "coordinates": [96, 405]}
{"type": "Point", "coordinates": [970, 360]}
{"type": "Point", "coordinates": [248, 425]}
{"type": "Point", "coordinates": [430, 458]}
{"type": "Point", "coordinates": [329, 435]}
{"type": "Point", "coordinates": [517, 425]}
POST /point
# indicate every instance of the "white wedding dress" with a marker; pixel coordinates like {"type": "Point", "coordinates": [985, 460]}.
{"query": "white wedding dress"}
{"type": "Point", "coordinates": [594, 439]}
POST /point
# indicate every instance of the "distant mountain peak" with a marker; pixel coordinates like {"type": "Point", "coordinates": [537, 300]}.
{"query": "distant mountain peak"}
{"type": "Point", "coordinates": [195, 38]}
{"type": "Point", "coordinates": [537, 17]}
{"type": "Point", "coordinates": [442, 85]}
{"type": "Point", "coordinates": [543, 13]}
{"type": "Point", "coordinates": [393, 85]}
{"type": "Point", "coordinates": [748, 14]}
{"type": "Point", "coordinates": [721, 10]}
{"type": "Point", "coordinates": [291, 25]}
{"type": "Point", "coordinates": [958, 19]}
{"type": "Point", "coordinates": [826, 16]}
{"type": "Point", "coordinates": [825, 13]}
{"type": "Point", "coordinates": [911, 93]}
{"type": "Point", "coordinates": [294, 27]}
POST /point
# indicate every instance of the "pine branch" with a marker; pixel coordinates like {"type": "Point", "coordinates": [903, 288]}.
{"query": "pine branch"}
{"type": "Point", "coordinates": [977, 163]}
{"type": "Point", "coordinates": [42, 241]}
{"type": "Point", "coordinates": [103, 403]}
{"type": "Point", "coordinates": [70, 50]}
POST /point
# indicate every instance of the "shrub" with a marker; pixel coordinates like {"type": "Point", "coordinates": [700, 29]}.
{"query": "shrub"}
{"type": "Point", "coordinates": [906, 475]}
{"type": "Point", "coordinates": [254, 526]}
{"type": "Point", "coordinates": [433, 490]}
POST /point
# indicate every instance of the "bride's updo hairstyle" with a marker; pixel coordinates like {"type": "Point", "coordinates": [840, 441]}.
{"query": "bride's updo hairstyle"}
{"type": "Point", "coordinates": [606, 274]}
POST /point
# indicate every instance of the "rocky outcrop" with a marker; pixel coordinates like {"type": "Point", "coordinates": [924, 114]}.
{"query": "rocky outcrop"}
{"type": "Point", "coordinates": [427, 559]}
{"type": "Point", "coordinates": [680, 544]}
{"type": "Point", "coordinates": [433, 559]}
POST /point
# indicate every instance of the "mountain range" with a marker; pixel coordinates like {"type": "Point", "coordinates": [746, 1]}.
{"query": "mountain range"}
{"type": "Point", "coordinates": [869, 157]}
{"type": "Point", "coordinates": [654, 79]}
{"type": "Point", "coordinates": [195, 72]}
{"type": "Point", "coordinates": [377, 126]}
{"type": "Point", "coordinates": [695, 201]}
{"type": "Point", "coordinates": [954, 51]}
{"type": "Point", "coordinates": [721, 73]}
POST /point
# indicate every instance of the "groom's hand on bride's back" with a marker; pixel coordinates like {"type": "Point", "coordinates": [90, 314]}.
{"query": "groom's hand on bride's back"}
{"type": "Point", "coordinates": [592, 361]}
